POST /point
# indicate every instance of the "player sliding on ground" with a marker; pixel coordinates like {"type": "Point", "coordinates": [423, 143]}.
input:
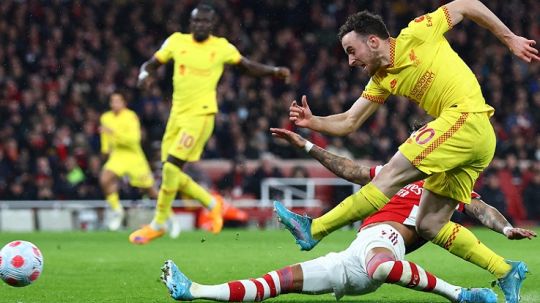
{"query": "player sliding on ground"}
{"type": "Point", "coordinates": [509, 274]}
{"type": "Point", "coordinates": [376, 256]}
{"type": "Point", "coordinates": [448, 152]}
{"type": "Point", "coordinates": [199, 59]}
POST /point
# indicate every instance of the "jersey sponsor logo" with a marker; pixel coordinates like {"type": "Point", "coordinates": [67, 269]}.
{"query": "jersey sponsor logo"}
{"type": "Point", "coordinates": [419, 19]}
{"type": "Point", "coordinates": [422, 86]}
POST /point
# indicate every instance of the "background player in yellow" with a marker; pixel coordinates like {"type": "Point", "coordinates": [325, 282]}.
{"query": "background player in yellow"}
{"type": "Point", "coordinates": [448, 152]}
{"type": "Point", "coordinates": [199, 59]}
{"type": "Point", "coordinates": [121, 143]}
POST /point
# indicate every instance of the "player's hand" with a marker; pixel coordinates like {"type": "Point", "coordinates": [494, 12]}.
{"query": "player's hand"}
{"type": "Point", "coordinates": [520, 233]}
{"type": "Point", "coordinates": [283, 73]}
{"type": "Point", "coordinates": [300, 115]}
{"type": "Point", "coordinates": [293, 138]}
{"type": "Point", "coordinates": [144, 80]}
{"type": "Point", "coordinates": [524, 49]}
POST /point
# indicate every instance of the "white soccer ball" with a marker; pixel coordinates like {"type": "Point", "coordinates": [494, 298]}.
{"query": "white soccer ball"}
{"type": "Point", "coordinates": [21, 263]}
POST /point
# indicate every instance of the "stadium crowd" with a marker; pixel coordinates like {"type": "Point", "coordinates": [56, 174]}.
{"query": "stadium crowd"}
{"type": "Point", "coordinates": [60, 61]}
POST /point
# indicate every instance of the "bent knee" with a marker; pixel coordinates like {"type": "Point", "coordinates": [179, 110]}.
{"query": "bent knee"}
{"type": "Point", "coordinates": [426, 229]}
{"type": "Point", "coordinates": [382, 271]}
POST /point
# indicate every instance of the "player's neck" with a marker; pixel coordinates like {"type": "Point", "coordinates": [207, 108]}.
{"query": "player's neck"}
{"type": "Point", "coordinates": [386, 56]}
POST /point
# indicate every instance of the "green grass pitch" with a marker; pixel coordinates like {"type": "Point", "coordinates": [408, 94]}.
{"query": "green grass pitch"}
{"type": "Point", "coordinates": [105, 267]}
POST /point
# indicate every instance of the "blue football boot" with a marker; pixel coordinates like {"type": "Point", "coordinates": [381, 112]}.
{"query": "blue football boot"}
{"type": "Point", "coordinates": [511, 283]}
{"type": "Point", "coordinates": [177, 283]}
{"type": "Point", "coordinates": [299, 226]}
{"type": "Point", "coordinates": [477, 295]}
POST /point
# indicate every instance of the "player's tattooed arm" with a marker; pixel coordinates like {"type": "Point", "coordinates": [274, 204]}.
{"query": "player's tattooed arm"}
{"type": "Point", "coordinates": [341, 166]}
{"type": "Point", "coordinates": [490, 217]}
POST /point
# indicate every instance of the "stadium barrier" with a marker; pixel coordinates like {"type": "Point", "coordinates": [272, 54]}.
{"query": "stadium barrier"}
{"type": "Point", "coordinates": [302, 195]}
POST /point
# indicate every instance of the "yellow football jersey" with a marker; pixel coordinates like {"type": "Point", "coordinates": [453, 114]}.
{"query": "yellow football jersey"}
{"type": "Point", "coordinates": [425, 69]}
{"type": "Point", "coordinates": [197, 69]}
{"type": "Point", "coordinates": [126, 136]}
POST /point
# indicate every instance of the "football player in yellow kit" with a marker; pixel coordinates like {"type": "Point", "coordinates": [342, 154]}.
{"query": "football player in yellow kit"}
{"type": "Point", "coordinates": [448, 152]}
{"type": "Point", "coordinates": [121, 143]}
{"type": "Point", "coordinates": [199, 59]}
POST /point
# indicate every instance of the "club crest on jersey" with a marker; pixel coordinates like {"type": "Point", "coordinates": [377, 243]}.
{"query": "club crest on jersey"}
{"type": "Point", "coordinates": [393, 83]}
{"type": "Point", "coordinates": [414, 59]}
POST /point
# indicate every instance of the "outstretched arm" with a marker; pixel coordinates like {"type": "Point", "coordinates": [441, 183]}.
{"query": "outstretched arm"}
{"type": "Point", "coordinates": [490, 217]}
{"type": "Point", "coordinates": [258, 69]}
{"type": "Point", "coordinates": [341, 166]}
{"type": "Point", "coordinates": [147, 70]}
{"type": "Point", "coordinates": [476, 11]}
{"type": "Point", "coordinates": [337, 125]}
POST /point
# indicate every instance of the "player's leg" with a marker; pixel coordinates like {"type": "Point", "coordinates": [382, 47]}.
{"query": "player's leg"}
{"type": "Point", "coordinates": [383, 266]}
{"type": "Point", "coordinates": [183, 141]}
{"type": "Point", "coordinates": [108, 180]}
{"type": "Point", "coordinates": [461, 242]}
{"type": "Point", "coordinates": [336, 272]}
{"type": "Point", "coordinates": [433, 223]}
{"type": "Point", "coordinates": [381, 251]}
{"type": "Point", "coordinates": [307, 277]}
{"type": "Point", "coordinates": [371, 197]}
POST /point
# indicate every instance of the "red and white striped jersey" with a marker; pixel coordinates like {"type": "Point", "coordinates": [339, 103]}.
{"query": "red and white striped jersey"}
{"type": "Point", "coordinates": [403, 206]}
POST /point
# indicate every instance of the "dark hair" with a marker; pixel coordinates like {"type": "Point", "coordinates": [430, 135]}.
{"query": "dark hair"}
{"type": "Point", "coordinates": [364, 23]}
{"type": "Point", "coordinates": [205, 8]}
{"type": "Point", "coordinates": [121, 93]}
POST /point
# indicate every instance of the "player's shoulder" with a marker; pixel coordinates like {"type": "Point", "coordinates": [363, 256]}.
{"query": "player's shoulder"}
{"type": "Point", "coordinates": [106, 115]}
{"type": "Point", "coordinates": [177, 37]}
{"type": "Point", "coordinates": [221, 41]}
{"type": "Point", "coordinates": [130, 113]}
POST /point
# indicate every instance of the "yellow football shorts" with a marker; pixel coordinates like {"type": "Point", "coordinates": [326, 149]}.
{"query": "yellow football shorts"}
{"type": "Point", "coordinates": [453, 150]}
{"type": "Point", "coordinates": [136, 167]}
{"type": "Point", "coordinates": [186, 136]}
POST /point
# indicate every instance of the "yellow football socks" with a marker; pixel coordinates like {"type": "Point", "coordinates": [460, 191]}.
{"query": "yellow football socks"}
{"type": "Point", "coordinates": [192, 189]}
{"type": "Point", "coordinates": [463, 243]}
{"type": "Point", "coordinates": [114, 201]}
{"type": "Point", "coordinates": [358, 206]}
{"type": "Point", "coordinates": [174, 180]}
{"type": "Point", "coordinates": [167, 192]}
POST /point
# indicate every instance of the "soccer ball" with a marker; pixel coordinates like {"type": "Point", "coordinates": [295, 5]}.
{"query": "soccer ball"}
{"type": "Point", "coordinates": [21, 263]}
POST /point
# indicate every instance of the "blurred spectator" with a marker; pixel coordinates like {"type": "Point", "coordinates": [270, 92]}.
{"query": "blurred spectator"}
{"type": "Point", "coordinates": [338, 148]}
{"type": "Point", "coordinates": [531, 197]}
{"type": "Point", "coordinates": [491, 192]}
{"type": "Point", "coordinates": [61, 59]}
{"type": "Point", "coordinates": [299, 171]}
{"type": "Point", "coordinates": [266, 169]}
{"type": "Point", "coordinates": [236, 179]}
{"type": "Point", "coordinates": [511, 177]}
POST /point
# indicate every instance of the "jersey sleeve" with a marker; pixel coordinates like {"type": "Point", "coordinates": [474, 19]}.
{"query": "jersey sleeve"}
{"type": "Point", "coordinates": [104, 139]}
{"type": "Point", "coordinates": [431, 26]}
{"type": "Point", "coordinates": [231, 55]}
{"type": "Point", "coordinates": [165, 52]}
{"type": "Point", "coordinates": [374, 92]}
